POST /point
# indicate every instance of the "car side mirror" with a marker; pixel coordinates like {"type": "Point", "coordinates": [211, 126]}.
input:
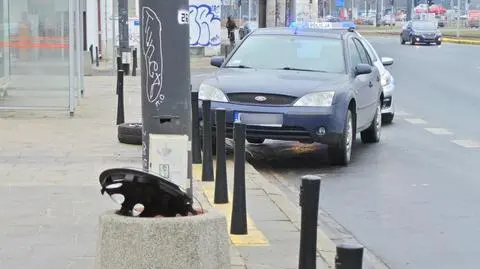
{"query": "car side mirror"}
{"type": "Point", "coordinates": [387, 61]}
{"type": "Point", "coordinates": [362, 69]}
{"type": "Point", "coordinates": [217, 61]}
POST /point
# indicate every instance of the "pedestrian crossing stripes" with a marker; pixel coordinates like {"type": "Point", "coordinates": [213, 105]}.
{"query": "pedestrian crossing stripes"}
{"type": "Point", "coordinates": [467, 143]}
{"type": "Point", "coordinates": [439, 131]}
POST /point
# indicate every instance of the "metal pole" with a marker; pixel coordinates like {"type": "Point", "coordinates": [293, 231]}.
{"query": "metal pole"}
{"type": "Point", "coordinates": [134, 62]}
{"type": "Point", "coordinates": [123, 25]}
{"type": "Point", "coordinates": [96, 56]}
{"type": "Point", "coordinates": [309, 195]}
{"type": "Point", "coordinates": [458, 19]}
{"type": "Point", "coordinates": [349, 256]}
{"type": "Point", "coordinates": [120, 105]}
{"type": "Point", "coordinates": [409, 10]}
{"type": "Point", "coordinates": [166, 105]}
{"type": "Point", "coordinates": [207, 164]}
{"type": "Point", "coordinates": [221, 189]}
{"type": "Point", "coordinates": [239, 204]}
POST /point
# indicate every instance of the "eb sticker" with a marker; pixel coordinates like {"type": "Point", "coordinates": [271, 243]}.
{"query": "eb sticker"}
{"type": "Point", "coordinates": [183, 16]}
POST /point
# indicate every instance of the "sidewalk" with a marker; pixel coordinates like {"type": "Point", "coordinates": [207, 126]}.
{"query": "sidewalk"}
{"type": "Point", "coordinates": [49, 167]}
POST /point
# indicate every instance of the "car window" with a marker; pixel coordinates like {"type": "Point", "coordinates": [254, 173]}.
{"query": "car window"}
{"type": "Point", "coordinates": [370, 49]}
{"type": "Point", "coordinates": [355, 58]}
{"type": "Point", "coordinates": [296, 52]}
{"type": "Point", "coordinates": [424, 25]}
{"type": "Point", "coordinates": [363, 52]}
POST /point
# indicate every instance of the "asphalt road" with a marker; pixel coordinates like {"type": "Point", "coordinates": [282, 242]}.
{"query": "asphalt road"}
{"type": "Point", "coordinates": [413, 199]}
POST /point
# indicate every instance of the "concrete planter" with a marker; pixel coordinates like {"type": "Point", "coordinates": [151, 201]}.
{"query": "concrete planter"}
{"type": "Point", "coordinates": [193, 242]}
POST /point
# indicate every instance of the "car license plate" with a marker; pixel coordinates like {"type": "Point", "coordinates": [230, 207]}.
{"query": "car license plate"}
{"type": "Point", "coordinates": [259, 119]}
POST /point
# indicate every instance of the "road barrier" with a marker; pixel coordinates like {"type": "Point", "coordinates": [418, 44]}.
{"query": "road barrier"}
{"type": "Point", "coordinates": [90, 49]}
{"type": "Point", "coordinates": [349, 256]}
{"type": "Point", "coordinates": [207, 164]}
{"type": "Point", "coordinates": [120, 98]}
{"type": "Point", "coordinates": [239, 204]}
{"type": "Point", "coordinates": [309, 195]}
{"type": "Point", "coordinates": [196, 147]}
{"type": "Point", "coordinates": [96, 57]}
{"type": "Point", "coordinates": [135, 62]}
{"type": "Point", "coordinates": [221, 188]}
{"type": "Point", "coordinates": [119, 62]}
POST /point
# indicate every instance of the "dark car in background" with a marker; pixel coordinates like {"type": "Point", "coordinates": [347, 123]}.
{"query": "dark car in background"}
{"type": "Point", "coordinates": [424, 32]}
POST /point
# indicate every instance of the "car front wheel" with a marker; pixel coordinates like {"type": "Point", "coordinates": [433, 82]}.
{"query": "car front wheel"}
{"type": "Point", "coordinates": [388, 118]}
{"type": "Point", "coordinates": [340, 153]}
{"type": "Point", "coordinates": [372, 134]}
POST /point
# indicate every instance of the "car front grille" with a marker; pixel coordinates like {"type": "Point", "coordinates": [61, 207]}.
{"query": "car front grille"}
{"type": "Point", "coordinates": [261, 98]}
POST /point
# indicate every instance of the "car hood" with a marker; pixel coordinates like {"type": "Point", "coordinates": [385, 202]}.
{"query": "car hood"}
{"type": "Point", "coordinates": [285, 82]}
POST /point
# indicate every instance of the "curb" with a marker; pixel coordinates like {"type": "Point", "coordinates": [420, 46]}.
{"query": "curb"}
{"type": "Point", "coordinates": [445, 39]}
{"type": "Point", "coordinates": [326, 247]}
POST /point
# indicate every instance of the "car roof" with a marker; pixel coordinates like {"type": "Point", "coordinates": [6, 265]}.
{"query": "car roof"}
{"type": "Point", "coordinates": [322, 33]}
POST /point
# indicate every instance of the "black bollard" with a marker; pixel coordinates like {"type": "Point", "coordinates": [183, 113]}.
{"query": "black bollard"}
{"type": "Point", "coordinates": [221, 188]}
{"type": "Point", "coordinates": [119, 62]}
{"type": "Point", "coordinates": [309, 195]}
{"type": "Point", "coordinates": [134, 63]}
{"type": "Point", "coordinates": [120, 105]}
{"type": "Point", "coordinates": [239, 205]}
{"type": "Point", "coordinates": [196, 147]}
{"type": "Point", "coordinates": [96, 56]}
{"type": "Point", "coordinates": [90, 49]}
{"type": "Point", "coordinates": [349, 256]}
{"type": "Point", "coordinates": [207, 167]}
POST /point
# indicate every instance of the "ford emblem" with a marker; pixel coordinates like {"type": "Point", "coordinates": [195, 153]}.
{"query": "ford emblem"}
{"type": "Point", "coordinates": [260, 98]}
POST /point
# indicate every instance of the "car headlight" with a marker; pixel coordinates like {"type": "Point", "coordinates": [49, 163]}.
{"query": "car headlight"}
{"type": "Point", "coordinates": [316, 99]}
{"type": "Point", "coordinates": [386, 80]}
{"type": "Point", "coordinates": [207, 92]}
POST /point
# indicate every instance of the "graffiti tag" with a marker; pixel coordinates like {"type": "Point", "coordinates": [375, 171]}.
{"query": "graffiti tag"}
{"type": "Point", "coordinates": [204, 25]}
{"type": "Point", "coordinates": [152, 34]}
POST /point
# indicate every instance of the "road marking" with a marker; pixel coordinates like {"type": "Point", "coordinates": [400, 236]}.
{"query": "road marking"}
{"type": "Point", "coordinates": [254, 238]}
{"type": "Point", "coordinates": [471, 144]}
{"type": "Point", "coordinates": [416, 121]}
{"type": "Point", "coordinates": [439, 131]}
{"type": "Point", "coordinates": [401, 113]}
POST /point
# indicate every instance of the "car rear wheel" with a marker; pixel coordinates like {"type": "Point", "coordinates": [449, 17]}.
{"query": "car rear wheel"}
{"type": "Point", "coordinates": [255, 140]}
{"type": "Point", "coordinates": [372, 134]}
{"type": "Point", "coordinates": [388, 118]}
{"type": "Point", "coordinates": [340, 153]}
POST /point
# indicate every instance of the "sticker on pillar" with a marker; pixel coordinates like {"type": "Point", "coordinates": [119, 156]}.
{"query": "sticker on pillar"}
{"type": "Point", "coordinates": [151, 27]}
{"type": "Point", "coordinates": [164, 171]}
{"type": "Point", "coordinates": [183, 16]}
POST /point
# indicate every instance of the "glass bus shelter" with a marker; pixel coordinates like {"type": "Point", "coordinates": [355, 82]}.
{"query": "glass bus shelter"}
{"type": "Point", "coordinates": [41, 63]}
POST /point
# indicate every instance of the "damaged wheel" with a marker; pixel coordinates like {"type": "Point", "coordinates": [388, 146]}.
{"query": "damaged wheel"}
{"type": "Point", "coordinates": [130, 133]}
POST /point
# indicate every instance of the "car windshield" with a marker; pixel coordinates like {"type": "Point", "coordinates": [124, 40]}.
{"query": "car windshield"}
{"type": "Point", "coordinates": [425, 25]}
{"type": "Point", "coordinates": [290, 53]}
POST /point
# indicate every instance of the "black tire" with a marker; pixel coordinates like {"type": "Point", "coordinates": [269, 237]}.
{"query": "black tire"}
{"type": "Point", "coordinates": [402, 41]}
{"type": "Point", "coordinates": [256, 140]}
{"type": "Point", "coordinates": [412, 40]}
{"type": "Point", "coordinates": [372, 134]}
{"type": "Point", "coordinates": [341, 153]}
{"type": "Point", "coordinates": [439, 43]}
{"type": "Point", "coordinates": [388, 118]}
{"type": "Point", "coordinates": [130, 133]}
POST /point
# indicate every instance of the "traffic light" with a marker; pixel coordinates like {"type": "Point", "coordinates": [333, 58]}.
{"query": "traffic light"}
{"type": "Point", "coordinates": [429, 2]}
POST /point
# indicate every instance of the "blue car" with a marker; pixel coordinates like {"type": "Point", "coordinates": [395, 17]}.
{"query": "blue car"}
{"type": "Point", "coordinates": [306, 84]}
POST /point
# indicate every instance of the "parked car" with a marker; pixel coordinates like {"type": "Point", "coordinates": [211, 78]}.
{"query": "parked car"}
{"type": "Point", "coordinates": [300, 84]}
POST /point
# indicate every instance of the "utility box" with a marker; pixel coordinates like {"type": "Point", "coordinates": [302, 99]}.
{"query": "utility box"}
{"type": "Point", "coordinates": [168, 157]}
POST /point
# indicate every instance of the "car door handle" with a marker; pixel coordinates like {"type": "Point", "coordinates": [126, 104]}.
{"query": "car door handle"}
{"type": "Point", "coordinates": [370, 84]}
